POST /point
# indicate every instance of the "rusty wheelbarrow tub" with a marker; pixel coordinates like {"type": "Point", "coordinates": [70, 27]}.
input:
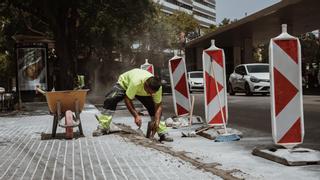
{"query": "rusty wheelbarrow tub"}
{"type": "Point", "coordinates": [66, 105]}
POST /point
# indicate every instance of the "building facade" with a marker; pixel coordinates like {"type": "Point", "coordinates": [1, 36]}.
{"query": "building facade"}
{"type": "Point", "coordinates": [204, 11]}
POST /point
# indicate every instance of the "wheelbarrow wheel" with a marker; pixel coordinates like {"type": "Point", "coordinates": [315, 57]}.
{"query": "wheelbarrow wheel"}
{"type": "Point", "coordinates": [69, 123]}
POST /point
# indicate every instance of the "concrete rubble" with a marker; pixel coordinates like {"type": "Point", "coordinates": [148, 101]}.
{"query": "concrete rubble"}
{"type": "Point", "coordinates": [183, 121]}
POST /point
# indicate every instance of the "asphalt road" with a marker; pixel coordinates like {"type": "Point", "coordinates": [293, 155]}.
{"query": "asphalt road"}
{"type": "Point", "coordinates": [251, 115]}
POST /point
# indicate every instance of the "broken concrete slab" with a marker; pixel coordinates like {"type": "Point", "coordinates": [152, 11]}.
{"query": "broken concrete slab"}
{"type": "Point", "coordinates": [289, 157]}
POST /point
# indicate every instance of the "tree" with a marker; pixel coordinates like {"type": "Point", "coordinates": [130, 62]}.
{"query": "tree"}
{"type": "Point", "coordinates": [182, 25]}
{"type": "Point", "coordinates": [7, 65]}
{"type": "Point", "coordinates": [212, 28]}
{"type": "Point", "coordinates": [310, 47]}
{"type": "Point", "coordinates": [6, 69]}
{"type": "Point", "coordinates": [77, 24]}
{"type": "Point", "coordinates": [224, 22]}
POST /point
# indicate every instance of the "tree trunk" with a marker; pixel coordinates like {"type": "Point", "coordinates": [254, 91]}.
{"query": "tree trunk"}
{"type": "Point", "coordinates": [66, 37]}
{"type": "Point", "coordinates": [65, 76]}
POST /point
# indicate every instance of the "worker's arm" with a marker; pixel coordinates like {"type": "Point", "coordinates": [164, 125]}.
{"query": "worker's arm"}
{"type": "Point", "coordinates": [157, 116]}
{"type": "Point", "coordinates": [133, 111]}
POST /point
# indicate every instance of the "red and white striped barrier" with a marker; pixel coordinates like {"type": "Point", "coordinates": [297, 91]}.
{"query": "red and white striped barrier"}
{"type": "Point", "coordinates": [214, 73]}
{"type": "Point", "coordinates": [147, 66]}
{"type": "Point", "coordinates": [179, 86]}
{"type": "Point", "coordinates": [286, 89]}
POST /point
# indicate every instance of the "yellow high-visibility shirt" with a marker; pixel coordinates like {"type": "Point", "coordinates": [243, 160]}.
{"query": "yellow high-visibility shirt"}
{"type": "Point", "coordinates": [133, 82]}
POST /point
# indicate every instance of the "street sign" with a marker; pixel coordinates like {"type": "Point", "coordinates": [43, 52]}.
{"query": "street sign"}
{"type": "Point", "coordinates": [147, 66]}
{"type": "Point", "coordinates": [179, 86]}
{"type": "Point", "coordinates": [215, 84]}
{"type": "Point", "coordinates": [286, 90]}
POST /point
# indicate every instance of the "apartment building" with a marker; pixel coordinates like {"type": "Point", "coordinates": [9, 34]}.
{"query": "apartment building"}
{"type": "Point", "coordinates": [204, 11]}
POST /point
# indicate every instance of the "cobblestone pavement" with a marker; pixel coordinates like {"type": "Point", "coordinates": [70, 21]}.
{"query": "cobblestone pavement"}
{"type": "Point", "coordinates": [23, 155]}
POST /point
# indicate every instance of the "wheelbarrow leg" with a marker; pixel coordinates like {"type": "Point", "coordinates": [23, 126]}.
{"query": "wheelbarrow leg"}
{"type": "Point", "coordinates": [54, 126]}
{"type": "Point", "coordinates": [78, 117]}
{"type": "Point", "coordinates": [80, 128]}
{"type": "Point", "coordinates": [56, 118]}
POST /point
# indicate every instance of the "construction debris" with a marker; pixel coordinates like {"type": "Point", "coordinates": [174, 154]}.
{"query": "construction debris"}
{"type": "Point", "coordinates": [212, 133]}
{"type": "Point", "coordinates": [182, 121]}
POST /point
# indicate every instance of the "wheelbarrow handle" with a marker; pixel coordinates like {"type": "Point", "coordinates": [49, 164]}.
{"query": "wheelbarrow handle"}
{"type": "Point", "coordinates": [40, 91]}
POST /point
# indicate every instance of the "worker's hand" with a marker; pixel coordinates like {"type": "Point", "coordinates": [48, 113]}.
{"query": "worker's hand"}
{"type": "Point", "coordinates": [155, 125]}
{"type": "Point", "coordinates": [138, 121]}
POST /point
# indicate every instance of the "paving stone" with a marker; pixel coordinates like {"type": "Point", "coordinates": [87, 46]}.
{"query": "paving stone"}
{"type": "Point", "coordinates": [24, 155]}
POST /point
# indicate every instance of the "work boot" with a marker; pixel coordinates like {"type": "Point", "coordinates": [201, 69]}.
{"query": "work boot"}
{"type": "Point", "coordinates": [100, 131]}
{"type": "Point", "coordinates": [165, 137]}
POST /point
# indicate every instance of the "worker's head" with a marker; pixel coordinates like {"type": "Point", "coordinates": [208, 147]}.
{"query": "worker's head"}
{"type": "Point", "coordinates": [152, 85]}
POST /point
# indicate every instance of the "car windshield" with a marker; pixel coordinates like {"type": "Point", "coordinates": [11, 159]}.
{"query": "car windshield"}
{"type": "Point", "coordinates": [196, 75]}
{"type": "Point", "coordinates": [258, 68]}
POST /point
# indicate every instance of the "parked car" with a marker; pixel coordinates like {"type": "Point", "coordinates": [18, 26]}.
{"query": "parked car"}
{"type": "Point", "coordinates": [250, 78]}
{"type": "Point", "coordinates": [195, 81]}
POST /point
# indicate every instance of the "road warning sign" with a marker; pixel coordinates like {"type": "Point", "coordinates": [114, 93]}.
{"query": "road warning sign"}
{"type": "Point", "coordinates": [286, 90]}
{"type": "Point", "coordinates": [179, 86]}
{"type": "Point", "coordinates": [215, 85]}
{"type": "Point", "coordinates": [147, 66]}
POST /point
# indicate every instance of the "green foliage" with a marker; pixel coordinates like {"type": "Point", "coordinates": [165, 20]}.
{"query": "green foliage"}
{"type": "Point", "coordinates": [77, 26]}
{"type": "Point", "coordinates": [310, 46]}
{"type": "Point", "coordinates": [212, 28]}
{"type": "Point", "coordinates": [181, 24]}
{"type": "Point", "coordinates": [225, 21]}
{"type": "Point", "coordinates": [158, 34]}
{"type": "Point", "coordinates": [163, 31]}
{"type": "Point", "coordinates": [111, 23]}
{"type": "Point", "coordinates": [93, 29]}
{"type": "Point", "coordinates": [6, 62]}
{"type": "Point", "coordinates": [6, 66]}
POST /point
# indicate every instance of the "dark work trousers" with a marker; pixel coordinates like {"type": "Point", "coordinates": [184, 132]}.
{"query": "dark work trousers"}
{"type": "Point", "coordinates": [117, 94]}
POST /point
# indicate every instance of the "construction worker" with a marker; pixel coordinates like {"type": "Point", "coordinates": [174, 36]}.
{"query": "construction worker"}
{"type": "Point", "coordinates": [142, 85]}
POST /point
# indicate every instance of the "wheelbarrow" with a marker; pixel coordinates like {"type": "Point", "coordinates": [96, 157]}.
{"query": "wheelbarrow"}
{"type": "Point", "coordinates": [67, 105]}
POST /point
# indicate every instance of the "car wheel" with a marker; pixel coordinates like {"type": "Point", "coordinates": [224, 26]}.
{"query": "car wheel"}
{"type": "Point", "coordinates": [248, 91]}
{"type": "Point", "coordinates": [231, 92]}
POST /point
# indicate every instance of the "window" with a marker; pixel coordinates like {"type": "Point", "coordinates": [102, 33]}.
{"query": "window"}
{"type": "Point", "coordinates": [240, 70]}
{"type": "Point", "coordinates": [175, 2]}
{"type": "Point", "coordinates": [196, 75]}
{"type": "Point", "coordinates": [204, 15]}
{"type": "Point", "coordinates": [205, 4]}
{"type": "Point", "coordinates": [258, 68]}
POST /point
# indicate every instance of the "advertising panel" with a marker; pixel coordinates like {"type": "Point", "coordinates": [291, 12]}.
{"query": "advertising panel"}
{"type": "Point", "coordinates": [32, 68]}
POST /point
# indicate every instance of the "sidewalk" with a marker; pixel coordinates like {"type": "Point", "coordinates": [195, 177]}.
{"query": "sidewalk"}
{"type": "Point", "coordinates": [127, 156]}
{"type": "Point", "coordinates": [233, 158]}
{"type": "Point", "coordinates": [24, 156]}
